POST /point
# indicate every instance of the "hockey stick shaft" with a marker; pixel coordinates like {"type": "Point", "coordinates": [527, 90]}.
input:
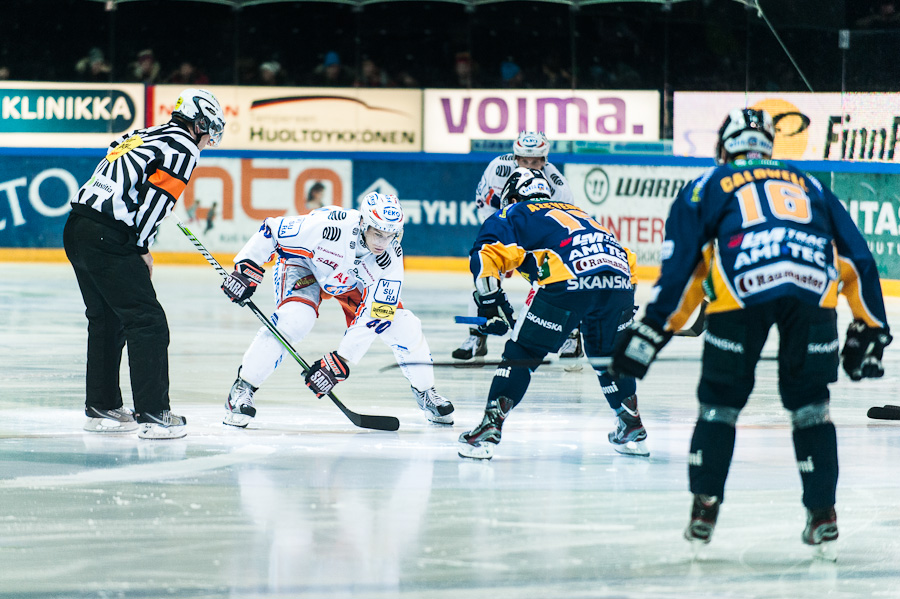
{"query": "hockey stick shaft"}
{"type": "Point", "coordinates": [382, 423]}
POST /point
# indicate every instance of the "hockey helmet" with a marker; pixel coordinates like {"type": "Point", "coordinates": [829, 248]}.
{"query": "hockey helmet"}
{"type": "Point", "coordinates": [200, 107]}
{"type": "Point", "coordinates": [744, 131]}
{"type": "Point", "coordinates": [524, 184]}
{"type": "Point", "coordinates": [383, 212]}
{"type": "Point", "coordinates": [531, 144]}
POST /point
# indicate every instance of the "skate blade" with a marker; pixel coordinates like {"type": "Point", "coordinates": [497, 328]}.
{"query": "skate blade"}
{"type": "Point", "coordinates": [437, 419]}
{"type": "Point", "coordinates": [479, 451]}
{"type": "Point", "coordinates": [698, 548]}
{"type": "Point", "coordinates": [826, 551]}
{"type": "Point", "coordinates": [108, 425]}
{"type": "Point", "coordinates": [238, 420]}
{"type": "Point", "coordinates": [638, 448]}
{"type": "Point", "coordinates": [470, 363]}
{"type": "Point", "coordinates": [155, 431]}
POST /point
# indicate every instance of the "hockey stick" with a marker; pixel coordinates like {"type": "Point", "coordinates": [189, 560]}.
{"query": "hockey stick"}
{"type": "Point", "coordinates": [380, 423]}
{"type": "Point", "coordinates": [479, 364]}
{"type": "Point", "coordinates": [692, 331]}
{"type": "Point", "coordinates": [888, 412]}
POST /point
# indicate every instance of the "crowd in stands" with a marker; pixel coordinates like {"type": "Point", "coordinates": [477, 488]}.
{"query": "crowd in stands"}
{"type": "Point", "coordinates": [624, 45]}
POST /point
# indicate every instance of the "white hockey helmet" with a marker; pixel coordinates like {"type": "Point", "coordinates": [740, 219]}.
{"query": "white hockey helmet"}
{"type": "Point", "coordinates": [382, 211]}
{"type": "Point", "coordinates": [524, 184]}
{"type": "Point", "coordinates": [530, 143]}
{"type": "Point", "coordinates": [744, 131]}
{"type": "Point", "coordinates": [200, 107]}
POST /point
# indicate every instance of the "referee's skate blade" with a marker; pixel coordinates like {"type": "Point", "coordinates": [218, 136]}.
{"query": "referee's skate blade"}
{"type": "Point", "coordinates": [478, 451]}
{"type": "Point", "coordinates": [109, 426]}
{"type": "Point", "coordinates": [637, 448]}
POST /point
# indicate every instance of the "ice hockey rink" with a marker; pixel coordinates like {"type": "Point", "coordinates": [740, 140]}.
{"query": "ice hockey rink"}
{"type": "Point", "coordinates": [303, 504]}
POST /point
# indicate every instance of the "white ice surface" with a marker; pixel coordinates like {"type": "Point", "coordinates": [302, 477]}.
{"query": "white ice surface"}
{"type": "Point", "coordinates": [303, 504]}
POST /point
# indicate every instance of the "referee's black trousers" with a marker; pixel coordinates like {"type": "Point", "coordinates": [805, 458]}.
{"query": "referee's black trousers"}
{"type": "Point", "coordinates": [121, 307]}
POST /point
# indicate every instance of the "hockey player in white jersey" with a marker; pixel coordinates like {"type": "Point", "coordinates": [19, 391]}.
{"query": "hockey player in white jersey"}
{"type": "Point", "coordinates": [354, 256]}
{"type": "Point", "coordinates": [530, 150]}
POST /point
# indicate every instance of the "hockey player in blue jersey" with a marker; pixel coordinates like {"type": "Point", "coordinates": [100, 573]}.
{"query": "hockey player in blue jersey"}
{"type": "Point", "coordinates": [769, 245]}
{"type": "Point", "coordinates": [581, 274]}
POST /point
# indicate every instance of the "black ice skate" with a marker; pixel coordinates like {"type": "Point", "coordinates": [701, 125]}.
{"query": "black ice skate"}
{"type": "Point", "coordinates": [479, 443]}
{"type": "Point", "coordinates": [117, 420]}
{"type": "Point", "coordinates": [161, 425]}
{"type": "Point", "coordinates": [239, 410]}
{"type": "Point", "coordinates": [475, 345]}
{"type": "Point", "coordinates": [821, 532]}
{"type": "Point", "coordinates": [704, 513]}
{"type": "Point", "coordinates": [571, 351]}
{"type": "Point", "coordinates": [629, 436]}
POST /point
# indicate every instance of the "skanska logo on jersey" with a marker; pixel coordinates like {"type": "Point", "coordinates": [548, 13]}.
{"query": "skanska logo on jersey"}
{"type": "Point", "coordinates": [598, 282]}
{"type": "Point", "coordinates": [65, 111]}
{"type": "Point", "coordinates": [553, 326]}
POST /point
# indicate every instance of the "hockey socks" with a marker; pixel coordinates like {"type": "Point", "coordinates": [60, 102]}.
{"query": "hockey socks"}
{"type": "Point", "coordinates": [712, 447]}
{"type": "Point", "coordinates": [817, 460]}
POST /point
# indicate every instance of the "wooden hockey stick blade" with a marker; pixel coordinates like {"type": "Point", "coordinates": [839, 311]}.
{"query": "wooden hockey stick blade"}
{"type": "Point", "coordinates": [380, 423]}
{"type": "Point", "coordinates": [885, 413]}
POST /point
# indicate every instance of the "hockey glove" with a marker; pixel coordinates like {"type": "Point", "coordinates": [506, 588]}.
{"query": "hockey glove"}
{"type": "Point", "coordinates": [636, 348]}
{"type": "Point", "coordinates": [326, 373]}
{"type": "Point", "coordinates": [241, 284]}
{"type": "Point", "coordinates": [498, 312]}
{"type": "Point", "coordinates": [863, 349]}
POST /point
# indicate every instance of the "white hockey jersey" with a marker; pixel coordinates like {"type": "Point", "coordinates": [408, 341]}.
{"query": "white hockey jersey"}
{"type": "Point", "coordinates": [497, 173]}
{"type": "Point", "coordinates": [325, 244]}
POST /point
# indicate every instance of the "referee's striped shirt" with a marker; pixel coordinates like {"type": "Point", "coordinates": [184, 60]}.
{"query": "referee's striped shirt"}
{"type": "Point", "coordinates": [141, 177]}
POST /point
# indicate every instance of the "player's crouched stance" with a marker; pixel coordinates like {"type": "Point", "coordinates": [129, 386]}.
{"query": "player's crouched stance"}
{"type": "Point", "coordinates": [354, 256]}
{"type": "Point", "coordinates": [812, 245]}
{"type": "Point", "coordinates": [533, 232]}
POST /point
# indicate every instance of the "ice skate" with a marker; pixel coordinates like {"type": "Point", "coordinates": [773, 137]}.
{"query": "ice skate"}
{"type": "Point", "coordinates": [118, 420]}
{"type": "Point", "coordinates": [437, 409]}
{"type": "Point", "coordinates": [572, 351]}
{"type": "Point", "coordinates": [475, 346]}
{"type": "Point", "coordinates": [629, 436]}
{"type": "Point", "coordinates": [821, 532]}
{"type": "Point", "coordinates": [704, 513]}
{"type": "Point", "coordinates": [479, 443]}
{"type": "Point", "coordinates": [239, 410]}
{"type": "Point", "coordinates": [161, 425]}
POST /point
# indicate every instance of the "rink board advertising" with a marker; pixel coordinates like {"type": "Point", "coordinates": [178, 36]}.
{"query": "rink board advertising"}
{"type": "Point", "coordinates": [310, 119]}
{"type": "Point", "coordinates": [808, 126]}
{"type": "Point", "coordinates": [228, 198]}
{"type": "Point", "coordinates": [453, 118]}
{"type": "Point", "coordinates": [67, 115]}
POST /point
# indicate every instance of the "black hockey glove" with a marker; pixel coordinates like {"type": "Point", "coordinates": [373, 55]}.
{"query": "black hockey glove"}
{"type": "Point", "coordinates": [636, 348]}
{"type": "Point", "coordinates": [241, 284]}
{"type": "Point", "coordinates": [863, 349]}
{"type": "Point", "coordinates": [326, 373]}
{"type": "Point", "coordinates": [495, 307]}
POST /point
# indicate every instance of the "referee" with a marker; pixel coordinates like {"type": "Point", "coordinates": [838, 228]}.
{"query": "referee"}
{"type": "Point", "coordinates": [107, 238]}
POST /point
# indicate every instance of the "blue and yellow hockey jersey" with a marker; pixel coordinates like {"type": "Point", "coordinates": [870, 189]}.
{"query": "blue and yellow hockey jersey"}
{"type": "Point", "coordinates": [548, 241]}
{"type": "Point", "coordinates": [755, 231]}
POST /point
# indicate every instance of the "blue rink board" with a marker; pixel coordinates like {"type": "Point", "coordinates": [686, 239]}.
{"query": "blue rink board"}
{"type": "Point", "coordinates": [35, 185]}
